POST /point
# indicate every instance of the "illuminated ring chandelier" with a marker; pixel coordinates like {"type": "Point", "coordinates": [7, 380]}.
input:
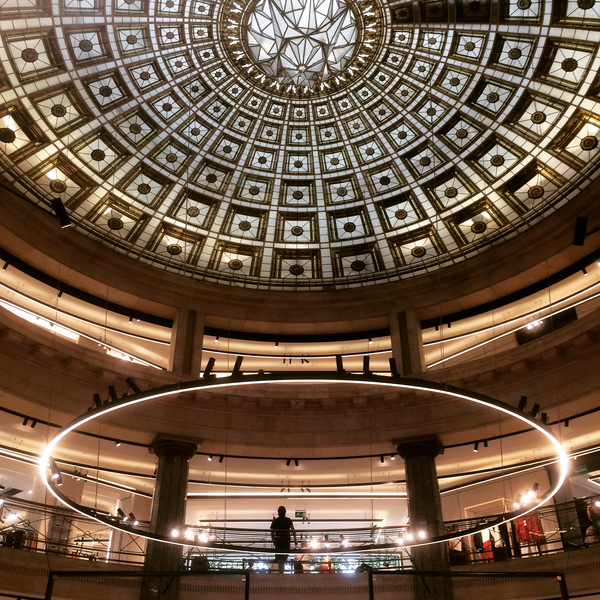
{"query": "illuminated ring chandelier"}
{"type": "Point", "coordinates": [290, 377]}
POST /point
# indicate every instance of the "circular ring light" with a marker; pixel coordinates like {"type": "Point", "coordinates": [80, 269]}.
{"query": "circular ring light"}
{"type": "Point", "coordinates": [291, 377]}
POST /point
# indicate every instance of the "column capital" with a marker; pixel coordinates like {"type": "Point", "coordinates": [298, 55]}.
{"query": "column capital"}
{"type": "Point", "coordinates": [429, 446]}
{"type": "Point", "coordinates": [172, 447]}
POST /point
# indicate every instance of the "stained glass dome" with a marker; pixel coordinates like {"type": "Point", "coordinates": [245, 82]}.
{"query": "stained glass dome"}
{"type": "Point", "coordinates": [301, 41]}
{"type": "Point", "coordinates": [350, 145]}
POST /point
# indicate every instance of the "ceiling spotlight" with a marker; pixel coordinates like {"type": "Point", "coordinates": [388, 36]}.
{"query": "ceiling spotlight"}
{"type": "Point", "coordinates": [296, 461]}
{"type": "Point", "coordinates": [485, 443]}
{"type": "Point", "coordinates": [276, 344]}
{"type": "Point", "coordinates": [174, 533]}
{"type": "Point", "coordinates": [216, 339]}
{"type": "Point", "coordinates": [308, 490]}
{"type": "Point", "coordinates": [61, 212]}
{"type": "Point", "coordinates": [535, 410]}
{"type": "Point", "coordinates": [282, 490]}
{"type": "Point", "coordinates": [133, 519]}
{"type": "Point", "coordinates": [131, 319]}
{"type": "Point", "coordinates": [54, 468]}
{"type": "Point", "coordinates": [393, 457]}
{"type": "Point", "coordinates": [476, 448]}
{"type": "Point", "coordinates": [421, 535]}
{"type": "Point", "coordinates": [597, 503]}
{"type": "Point", "coordinates": [382, 459]}
{"type": "Point", "coordinates": [516, 506]}
{"type": "Point", "coordinates": [409, 537]}
{"type": "Point", "coordinates": [344, 542]}
{"type": "Point", "coordinates": [121, 514]}
{"type": "Point", "coordinates": [399, 541]}
{"type": "Point", "coordinates": [189, 534]}
{"type": "Point", "coordinates": [522, 403]}
{"type": "Point", "coordinates": [584, 271]}
{"type": "Point", "coordinates": [566, 422]}
{"type": "Point", "coordinates": [288, 462]}
{"type": "Point", "coordinates": [370, 340]}
{"type": "Point", "coordinates": [60, 293]}
{"type": "Point", "coordinates": [33, 423]}
{"type": "Point", "coordinates": [5, 266]}
{"type": "Point", "coordinates": [210, 457]}
{"type": "Point", "coordinates": [117, 443]}
{"type": "Point", "coordinates": [25, 421]}
{"type": "Point", "coordinates": [221, 459]}
{"type": "Point", "coordinates": [58, 481]}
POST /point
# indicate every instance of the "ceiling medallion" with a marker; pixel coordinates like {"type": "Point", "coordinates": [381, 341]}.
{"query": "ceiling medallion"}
{"type": "Point", "coordinates": [478, 227]}
{"type": "Point", "coordinates": [58, 186]}
{"type": "Point", "coordinates": [235, 264]}
{"type": "Point", "coordinates": [115, 224]}
{"type": "Point", "coordinates": [301, 47]}
{"type": "Point", "coordinates": [418, 251]}
{"type": "Point", "coordinates": [296, 270]}
{"type": "Point", "coordinates": [174, 249]}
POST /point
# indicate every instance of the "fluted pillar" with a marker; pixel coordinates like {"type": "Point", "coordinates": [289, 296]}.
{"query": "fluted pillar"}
{"type": "Point", "coordinates": [425, 514]}
{"type": "Point", "coordinates": [168, 513]}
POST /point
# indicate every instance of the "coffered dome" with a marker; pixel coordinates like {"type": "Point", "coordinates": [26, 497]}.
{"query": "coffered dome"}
{"type": "Point", "coordinates": [385, 140]}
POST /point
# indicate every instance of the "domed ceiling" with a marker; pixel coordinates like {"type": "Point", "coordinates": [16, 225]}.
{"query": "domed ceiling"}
{"type": "Point", "coordinates": [300, 143]}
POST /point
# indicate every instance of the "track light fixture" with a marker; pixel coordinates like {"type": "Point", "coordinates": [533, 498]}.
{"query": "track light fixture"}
{"type": "Point", "coordinates": [221, 459]}
{"type": "Point", "coordinates": [584, 271]}
{"type": "Point", "coordinates": [535, 410]}
{"type": "Point", "coordinates": [288, 462]}
{"type": "Point", "coordinates": [276, 344]}
{"type": "Point", "coordinates": [282, 490]}
{"type": "Point", "coordinates": [60, 294]}
{"type": "Point", "coordinates": [59, 481]}
{"type": "Point", "coordinates": [117, 443]}
{"type": "Point", "coordinates": [476, 448]}
{"type": "Point", "coordinates": [370, 340]}
{"type": "Point", "coordinates": [121, 514]}
{"type": "Point", "coordinates": [54, 468]}
{"type": "Point", "coordinates": [210, 457]}
{"type": "Point", "coordinates": [485, 443]}
{"type": "Point", "coordinates": [130, 319]}
{"type": "Point", "coordinates": [393, 457]}
{"type": "Point", "coordinates": [5, 266]}
{"type": "Point", "coordinates": [522, 403]}
{"type": "Point", "coordinates": [61, 212]}
{"type": "Point", "coordinates": [566, 422]}
{"type": "Point", "coordinates": [33, 423]}
{"type": "Point", "coordinates": [382, 459]}
{"type": "Point", "coordinates": [25, 421]}
{"type": "Point", "coordinates": [296, 461]}
{"type": "Point", "coordinates": [133, 519]}
{"type": "Point", "coordinates": [97, 400]}
{"type": "Point", "coordinates": [216, 339]}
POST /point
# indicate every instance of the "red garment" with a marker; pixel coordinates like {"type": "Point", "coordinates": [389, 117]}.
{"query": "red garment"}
{"type": "Point", "coordinates": [488, 551]}
{"type": "Point", "coordinates": [529, 530]}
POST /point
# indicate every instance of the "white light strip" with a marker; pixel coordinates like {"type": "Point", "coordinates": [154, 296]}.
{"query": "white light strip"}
{"type": "Point", "coordinates": [308, 357]}
{"type": "Point", "coordinates": [514, 319]}
{"type": "Point", "coordinates": [14, 291]}
{"type": "Point", "coordinates": [88, 337]}
{"type": "Point", "coordinates": [493, 339]}
{"type": "Point", "coordinates": [293, 378]}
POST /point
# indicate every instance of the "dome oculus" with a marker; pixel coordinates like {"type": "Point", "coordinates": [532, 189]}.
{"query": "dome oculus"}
{"type": "Point", "coordinates": [301, 42]}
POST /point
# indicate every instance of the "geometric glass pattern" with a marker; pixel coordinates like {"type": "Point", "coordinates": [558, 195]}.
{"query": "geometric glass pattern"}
{"type": "Point", "coordinates": [301, 41]}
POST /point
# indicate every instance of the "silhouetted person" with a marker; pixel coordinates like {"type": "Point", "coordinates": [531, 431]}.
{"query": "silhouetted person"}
{"type": "Point", "coordinates": [281, 529]}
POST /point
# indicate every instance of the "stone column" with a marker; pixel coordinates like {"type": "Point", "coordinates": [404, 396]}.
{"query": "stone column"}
{"type": "Point", "coordinates": [168, 513]}
{"type": "Point", "coordinates": [425, 514]}
{"type": "Point", "coordinates": [407, 343]}
{"type": "Point", "coordinates": [186, 351]}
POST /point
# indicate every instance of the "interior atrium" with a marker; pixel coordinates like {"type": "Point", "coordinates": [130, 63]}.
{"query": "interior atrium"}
{"type": "Point", "coordinates": [300, 246]}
